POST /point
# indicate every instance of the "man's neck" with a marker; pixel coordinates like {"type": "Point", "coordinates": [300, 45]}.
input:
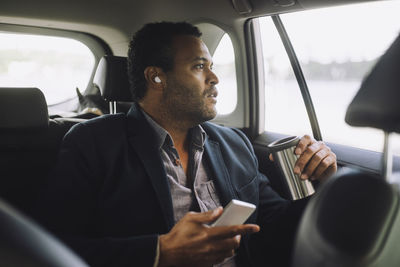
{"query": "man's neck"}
{"type": "Point", "coordinates": [177, 129]}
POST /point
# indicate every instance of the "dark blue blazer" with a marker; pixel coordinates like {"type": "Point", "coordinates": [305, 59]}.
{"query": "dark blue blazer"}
{"type": "Point", "coordinates": [109, 198]}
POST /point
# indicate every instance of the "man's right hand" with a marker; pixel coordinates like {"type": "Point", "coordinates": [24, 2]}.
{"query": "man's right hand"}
{"type": "Point", "coordinates": [191, 242]}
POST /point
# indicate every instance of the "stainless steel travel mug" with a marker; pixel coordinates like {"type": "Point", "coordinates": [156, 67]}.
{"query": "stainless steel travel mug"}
{"type": "Point", "coordinates": [284, 157]}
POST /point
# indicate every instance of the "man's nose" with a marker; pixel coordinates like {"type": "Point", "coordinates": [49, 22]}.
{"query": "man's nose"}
{"type": "Point", "coordinates": [213, 79]}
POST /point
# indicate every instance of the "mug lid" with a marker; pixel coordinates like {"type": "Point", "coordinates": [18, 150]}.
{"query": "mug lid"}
{"type": "Point", "coordinates": [284, 143]}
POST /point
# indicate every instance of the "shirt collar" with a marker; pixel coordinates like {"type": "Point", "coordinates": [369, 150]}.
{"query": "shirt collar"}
{"type": "Point", "coordinates": [161, 134]}
{"type": "Point", "coordinates": [197, 134]}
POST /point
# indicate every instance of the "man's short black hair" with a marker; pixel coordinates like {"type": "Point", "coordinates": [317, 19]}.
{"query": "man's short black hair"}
{"type": "Point", "coordinates": [152, 46]}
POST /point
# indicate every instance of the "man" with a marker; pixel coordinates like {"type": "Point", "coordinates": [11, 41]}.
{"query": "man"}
{"type": "Point", "coordinates": [140, 189]}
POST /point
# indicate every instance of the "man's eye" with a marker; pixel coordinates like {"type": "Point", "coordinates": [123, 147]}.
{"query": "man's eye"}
{"type": "Point", "coordinates": [199, 66]}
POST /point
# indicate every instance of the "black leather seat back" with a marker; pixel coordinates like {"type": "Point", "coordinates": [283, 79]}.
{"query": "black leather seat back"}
{"type": "Point", "coordinates": [29, 144]}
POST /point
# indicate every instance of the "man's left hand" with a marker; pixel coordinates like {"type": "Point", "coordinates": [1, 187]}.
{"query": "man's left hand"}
{"type": "Point", "coordinates": [316, 161]}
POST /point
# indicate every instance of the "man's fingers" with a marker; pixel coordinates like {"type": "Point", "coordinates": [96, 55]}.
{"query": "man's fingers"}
{"type": "Point", "coordinates": [305, 157]}
{"type": "Point", "coordinates": [326, 168]}
{"type": "Point", "coordinates": [224, 248]}
{"type": "Point", "coordinates": [204, 217]}
{"type": "Point", "coordinates": [226, 244]}
{"type": "Point", "coordinates": [304, 142]}
{"type": "Point", "coordinates": [315, 162]}
{"type": "Point", "coordinates": [221, 232]}
{"type": "Point", "coordinates": [271, 158]}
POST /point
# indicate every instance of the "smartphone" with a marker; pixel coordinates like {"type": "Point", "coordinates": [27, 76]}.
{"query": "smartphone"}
{"type": "Point", "coordinates": [235, 213]}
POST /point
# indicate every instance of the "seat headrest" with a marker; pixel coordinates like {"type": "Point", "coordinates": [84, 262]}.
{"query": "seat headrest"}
{"type": "Point", "coordinates": [112, 79]}
{"type": "Point", "coordinates": [23, 109]}
{"type": "Point", "coordinates": [351, 221]}
{"type": "Point", "coordinates": [377, 102]}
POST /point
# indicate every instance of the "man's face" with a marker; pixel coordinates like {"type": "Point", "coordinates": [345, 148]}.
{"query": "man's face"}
{"type": "Point", "coordinates": [190, 93]}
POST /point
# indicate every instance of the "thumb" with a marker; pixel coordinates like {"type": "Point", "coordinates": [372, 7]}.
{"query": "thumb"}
{"type": "Point", "coordinates": [207, 217]}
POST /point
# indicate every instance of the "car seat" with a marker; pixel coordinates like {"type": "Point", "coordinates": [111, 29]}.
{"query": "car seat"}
{"type": "Point", "coordinates": [29, 144]}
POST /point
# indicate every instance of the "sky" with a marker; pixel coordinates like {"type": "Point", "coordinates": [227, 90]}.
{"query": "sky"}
{"type": "Point", "coordinates": [346, 32]}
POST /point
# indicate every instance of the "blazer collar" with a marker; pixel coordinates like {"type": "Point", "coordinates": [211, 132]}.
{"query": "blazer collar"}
{"type": "Point", "coordinates": [143, 140]}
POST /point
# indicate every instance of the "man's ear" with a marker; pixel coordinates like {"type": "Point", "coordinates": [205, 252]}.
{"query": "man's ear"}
{"type": "Point", "coordinates": [155, 77]}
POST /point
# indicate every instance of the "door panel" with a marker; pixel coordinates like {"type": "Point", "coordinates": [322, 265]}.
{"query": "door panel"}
{"type": "Point", "coordinates": [349, 157]}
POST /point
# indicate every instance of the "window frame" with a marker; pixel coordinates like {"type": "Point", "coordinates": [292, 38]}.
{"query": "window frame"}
{"type": "Point", "coordinates": [256, 79]}
{"type": "Point", "coordinates": [298, 72]}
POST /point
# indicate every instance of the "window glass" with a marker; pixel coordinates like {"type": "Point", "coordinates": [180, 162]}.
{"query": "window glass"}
{"type": "Point", "coordinates": [54, 65]}
{"type": "Point", "coordinates": [336, 54]}
{"type": "Point", "coordinates": [284, 107]}
{"type": "Point", "coordinates": [224, 68]}
{"type": "Point", "coordinates": [337, 47]}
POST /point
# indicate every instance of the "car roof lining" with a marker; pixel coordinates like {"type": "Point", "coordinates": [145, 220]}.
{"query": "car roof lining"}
{"type": "Point", "coordinates": [116, 22]}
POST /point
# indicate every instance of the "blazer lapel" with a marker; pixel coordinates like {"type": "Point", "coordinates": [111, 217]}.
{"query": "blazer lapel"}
{"type": "Point", "coordinates": [141, 137]}
{"type": "Point", "coordinates": [221, 176]}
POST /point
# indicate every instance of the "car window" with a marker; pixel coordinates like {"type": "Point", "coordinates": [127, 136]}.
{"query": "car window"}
{"type": "Point", "coordinates": [284, 107]}
{"type": "Point", "coordinates": [336, 51]}
{"type": "Point", "coordinates": [55, 65]}
{"type": "Point", "coordinates": [224, 68]}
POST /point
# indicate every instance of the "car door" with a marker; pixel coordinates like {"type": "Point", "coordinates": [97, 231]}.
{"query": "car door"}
{"type": "Point", "coordinates": [310, 65]}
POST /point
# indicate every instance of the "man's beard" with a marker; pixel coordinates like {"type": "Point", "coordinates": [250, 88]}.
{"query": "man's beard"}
{"type": "Point", "coordinates": [184, 103]}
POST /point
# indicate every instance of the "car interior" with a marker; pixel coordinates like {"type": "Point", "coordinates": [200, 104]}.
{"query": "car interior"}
{"type": "Point", "coordinates": [286, 67]}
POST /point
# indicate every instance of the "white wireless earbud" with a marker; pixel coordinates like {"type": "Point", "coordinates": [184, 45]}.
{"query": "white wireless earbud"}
{"type": "Point", "coordinates": [157, 79]}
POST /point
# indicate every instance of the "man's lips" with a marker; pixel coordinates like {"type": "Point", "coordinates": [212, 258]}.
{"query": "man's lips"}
{"type": "Point", "coordinates": [212, 93]}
